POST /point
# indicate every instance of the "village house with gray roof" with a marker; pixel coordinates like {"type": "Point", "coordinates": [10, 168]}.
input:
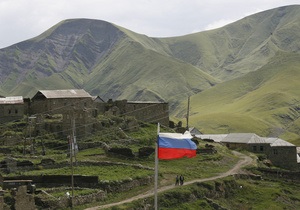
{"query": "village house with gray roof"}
{"type": "Point", "coordinates": [280, 152]}
{"type": "Point", "coordinates": [65, 106]}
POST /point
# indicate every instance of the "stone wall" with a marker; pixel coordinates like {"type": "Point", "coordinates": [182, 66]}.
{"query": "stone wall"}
{"type": "Point", "coordinates": [65, 201]}
{"type": "Point", "coordinates": [284, 157]}
{"type": "Point", "coordinates": [60, 105]}
{"type": "Point", "coordinates": [82, 110]}
{"type": "Point", "coordinates": [85, 181]}
{"type": "Point", "coordinates": [24, 201]}
{"type": "Point", "coordinates": [10, 112]}
{"type": "Point", "coordinates": [281, 174]}
{"type": "Point", "coordinates": [152, 112]}
{"type": "Point", "coordinates": [236, 146]}
{"type": "Point", "coordinates": [125, 185]}
{"type": "Point", "coordinates": [149, 112]}
{"type": "Point", "coordinates": [59, 180]}
{"type": "Point", "coordinates": [1, 201]}
{"type": "Point", "coordinates": [258, 147]}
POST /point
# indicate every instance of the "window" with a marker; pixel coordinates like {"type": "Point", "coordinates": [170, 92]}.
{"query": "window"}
{"type": "Point", "coordinates": [254, 148]}
{"type": "Point", "coordinates": [16, 111]}
{"type": "Point", "coordinates": [275, 152]}
{"type": "Point", "coordinates": [9, 111]}
{"type": "Point", "coordinates": [261, 148]}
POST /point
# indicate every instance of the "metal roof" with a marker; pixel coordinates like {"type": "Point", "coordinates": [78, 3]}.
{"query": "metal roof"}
{"type": "Point", "coordinates": [12, 100]}
{"type": "Point", "coordinates": [243, 138]}
{"type": "Point", "coordinates": [71, 93]}
{"type": "Point", "coordinates": [146, 102]}
{"type": "Point", "coordinates": [270, 140]}
{"type": "Point", "coordinates": [97, 99]}
{"type": "Point", "coordinates": [194, 131]}
{"type": "Point", "coordinates": [281, 143]}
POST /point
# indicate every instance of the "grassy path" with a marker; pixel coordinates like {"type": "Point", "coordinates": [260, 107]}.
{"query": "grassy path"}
{"type": "Point", "coordinates": [244, 161]}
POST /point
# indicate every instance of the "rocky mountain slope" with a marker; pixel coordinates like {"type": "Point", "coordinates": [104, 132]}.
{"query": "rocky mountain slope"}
{"type": "Point", "coordinates": [100, 57]}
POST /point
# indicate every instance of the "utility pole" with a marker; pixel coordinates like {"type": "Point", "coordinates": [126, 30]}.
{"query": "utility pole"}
{"type": "Point", "coordinates": [187, 115]}
{"type": "Point", "coordinates": [72, 152]}
{"type": "Point", "coordinates": [30, 125]}
{"type": "Point", "coordinates": [24, 146]}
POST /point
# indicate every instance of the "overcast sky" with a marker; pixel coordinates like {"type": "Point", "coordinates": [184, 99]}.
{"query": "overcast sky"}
{"type": "Point", "coordinates": [25, 19]}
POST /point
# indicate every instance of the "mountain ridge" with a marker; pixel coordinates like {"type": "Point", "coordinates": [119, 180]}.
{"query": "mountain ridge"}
{"type": "Point", "coordinates": [240, 39]}
{"type": "Point", "coordinates": [114, 62]}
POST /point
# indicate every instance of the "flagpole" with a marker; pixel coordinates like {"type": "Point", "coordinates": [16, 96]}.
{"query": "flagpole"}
{"type": "Point", "coordinates": [156, 168]}
{"type": "Point", "coordinates": [187, 114]}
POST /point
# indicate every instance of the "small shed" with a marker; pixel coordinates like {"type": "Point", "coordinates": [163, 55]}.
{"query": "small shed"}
{"type": "Point", "coordinates": [194, 131]}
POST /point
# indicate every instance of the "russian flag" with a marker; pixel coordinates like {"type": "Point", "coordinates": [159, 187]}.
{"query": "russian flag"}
{"type": "Point", "coordinates": [175, 145]}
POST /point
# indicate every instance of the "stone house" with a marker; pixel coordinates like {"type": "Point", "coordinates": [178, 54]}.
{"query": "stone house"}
{"type": "Point", "coordinates": [147, 111]}
{"type": "Point", "coordinates": [58, 101]}
{"type": "Point", "coordinates": [63, 107]}
{"type": "Point", "coordinates": [11, 108]}
{"type": "Point", "coordinates": [282, 153]}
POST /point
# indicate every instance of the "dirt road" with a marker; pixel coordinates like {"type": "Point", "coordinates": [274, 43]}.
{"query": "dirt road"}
{"type": "Point", "coordinates": [245, 160]}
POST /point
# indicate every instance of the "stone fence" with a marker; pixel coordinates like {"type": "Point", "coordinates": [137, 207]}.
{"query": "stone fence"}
{"type": "Point", "coordinates": [58, 180]}
{"type": "Point", "coordinates": [282, 174]}
{"type": "Point", "coordinates": [65, 201]}
{"type": "Point", "coordinates": [85, 181]}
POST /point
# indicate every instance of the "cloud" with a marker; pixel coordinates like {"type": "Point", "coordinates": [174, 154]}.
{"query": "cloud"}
{"type": "Point", "coordinates": [24, 19]}
{"type": "Point", "coordinates": [218, 24]}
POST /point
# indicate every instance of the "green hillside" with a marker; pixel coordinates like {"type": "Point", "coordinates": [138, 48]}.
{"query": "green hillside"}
{"type": "Point", "coordinates": [243, 46]}
{"type": "Point", "coordinates": [147, 75]}
{"type": "Point", "coordinates": [243, 76]}
{"type": "Point", "coordinates": [266, 102]}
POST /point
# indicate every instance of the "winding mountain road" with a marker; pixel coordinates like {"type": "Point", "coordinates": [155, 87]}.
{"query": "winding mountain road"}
{"type": "Point", "coordinates": [244, 161]}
